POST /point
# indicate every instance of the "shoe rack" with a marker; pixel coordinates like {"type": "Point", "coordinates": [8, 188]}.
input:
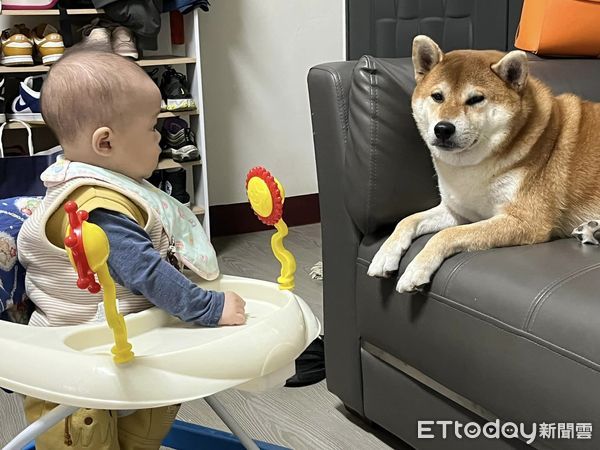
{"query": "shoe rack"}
{"type": "Point", "coordinates": [184, 58]}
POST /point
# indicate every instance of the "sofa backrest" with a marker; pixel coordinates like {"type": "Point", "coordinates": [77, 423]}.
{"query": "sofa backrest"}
{"type": "Point", "coordinates": [386, 28]}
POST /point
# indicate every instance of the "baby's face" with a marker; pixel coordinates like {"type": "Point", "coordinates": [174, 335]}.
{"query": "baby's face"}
{"type": "Point", "coordinates": [137, 138]}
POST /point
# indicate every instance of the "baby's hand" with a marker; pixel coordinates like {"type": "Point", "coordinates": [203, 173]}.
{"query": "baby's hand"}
{"type": "Point", "coordinates": [233, 310]}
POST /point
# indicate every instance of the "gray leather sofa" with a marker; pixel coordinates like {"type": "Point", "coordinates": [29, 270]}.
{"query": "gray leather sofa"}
{"type": "Point", "coordinates": [510, 334]}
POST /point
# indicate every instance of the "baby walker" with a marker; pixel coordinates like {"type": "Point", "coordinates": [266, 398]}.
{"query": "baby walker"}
{"type": "Point", "coordinates": [116, 367]}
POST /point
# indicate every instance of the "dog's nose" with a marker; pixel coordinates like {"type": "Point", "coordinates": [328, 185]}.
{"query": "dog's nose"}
{"type": "Point", "coordinates": [444, 130]}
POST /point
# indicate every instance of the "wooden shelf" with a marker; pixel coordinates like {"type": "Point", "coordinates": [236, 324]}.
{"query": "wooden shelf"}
{"type": "Point", "coordinates": [191, 163]}
{"type": "Point", "coordinates": [170, 164]}
{"type": "Point", "coordinates": [165, 114]}
{"type": "Point", "coordinates": [50, 12]}
{"type": "Point", "coordinates": [198, 210]}
{"type": "Point", "coordinates": [24, 69]}
{"type": "Point", "coordinates": [148, 62]}
{"type": "Point", "coordinates": [166, 60]}
{"type": "Point", "coordinates": [17, 125]}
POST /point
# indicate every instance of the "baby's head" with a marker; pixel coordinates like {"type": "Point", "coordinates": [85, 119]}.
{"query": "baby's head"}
{"type": "Point", "coordinates": [103, 109]}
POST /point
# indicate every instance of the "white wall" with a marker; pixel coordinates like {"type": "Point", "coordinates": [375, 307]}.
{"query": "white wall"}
{"type": "Point", "coordinates": [255, 58]}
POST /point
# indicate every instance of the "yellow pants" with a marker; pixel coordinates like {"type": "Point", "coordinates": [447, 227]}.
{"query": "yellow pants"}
{"type": "Point", "coordinates": [97, 429]}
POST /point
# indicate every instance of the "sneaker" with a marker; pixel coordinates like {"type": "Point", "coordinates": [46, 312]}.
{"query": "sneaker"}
{"type": "Point", "coordinates": [2, 102]}
{"type": "Point", "coordinates": [154, 75]}
{"type": "Point", "coordinates": [17, 46]}
{"type": "Point", "coordinates": [156, 179]}
{"type": "Point", "coordinates": [48, 42]}
{"type": "Point", "coordinates": [97, 34]}
{"type": "Point", "coordinates": [178, 141]}
{"type": "Point", "coordinates": [175, 91]}
{"type": "Point", "coordinates": [26, 106]}
{"type": "Point", "coordinates": [174, 182]}
{"type": "Point", "coordinates": [123, 43]}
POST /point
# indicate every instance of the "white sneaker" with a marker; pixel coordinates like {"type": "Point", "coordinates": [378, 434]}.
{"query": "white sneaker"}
{"type": "Point", "coordinates": [123, 43]}
{"type": "Point", "coordinates": [96, 36]}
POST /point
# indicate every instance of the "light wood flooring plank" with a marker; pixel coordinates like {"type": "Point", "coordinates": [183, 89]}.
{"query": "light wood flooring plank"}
{"type": "Point", "coordinates": [300, 418]}
{"type": "Point", "coordinates": [250, 255]}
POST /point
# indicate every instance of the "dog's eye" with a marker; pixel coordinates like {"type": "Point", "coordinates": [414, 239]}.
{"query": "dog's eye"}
{"type": "Point", "coordinates": [475, 99]}
{"type": "Point", "coordinates": [437, 97]}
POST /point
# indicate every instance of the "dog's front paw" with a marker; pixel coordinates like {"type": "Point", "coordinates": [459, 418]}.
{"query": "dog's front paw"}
{"type": "Point", "coordinates": [414, 278]}
{"type": "Point", "coordinates": [385, 264]}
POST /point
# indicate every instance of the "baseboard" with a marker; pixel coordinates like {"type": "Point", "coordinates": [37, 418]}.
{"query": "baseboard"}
{"type": "Point", "coordinates": [239, 218]}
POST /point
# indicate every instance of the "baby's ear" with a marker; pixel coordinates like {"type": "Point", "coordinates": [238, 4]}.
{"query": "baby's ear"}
{"type": "Point", "coordinates": [425, 55]}
{"type": "Point", "coordinates": [513, 68]}
{"type": "Point", "coordinates": [101, 141]}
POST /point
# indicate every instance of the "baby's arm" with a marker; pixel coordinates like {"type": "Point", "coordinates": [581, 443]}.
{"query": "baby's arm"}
{"type": "Point", "coordinates": [137, 265]}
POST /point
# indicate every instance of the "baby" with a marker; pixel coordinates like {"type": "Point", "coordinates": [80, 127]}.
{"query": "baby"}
{"type": "Point", "coordinates": [103, 108]}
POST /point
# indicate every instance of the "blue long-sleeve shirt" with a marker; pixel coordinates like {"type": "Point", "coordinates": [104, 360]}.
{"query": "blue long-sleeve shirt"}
{"type": "Point", "coordinates": [135, 264]}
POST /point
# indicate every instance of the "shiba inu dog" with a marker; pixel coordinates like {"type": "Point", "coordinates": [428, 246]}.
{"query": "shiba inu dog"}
{"type": "Point", "coordinates": [515, 164]}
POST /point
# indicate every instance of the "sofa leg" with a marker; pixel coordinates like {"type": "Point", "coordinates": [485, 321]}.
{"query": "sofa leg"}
{"type": "Point", "coordinates": [356, 415]}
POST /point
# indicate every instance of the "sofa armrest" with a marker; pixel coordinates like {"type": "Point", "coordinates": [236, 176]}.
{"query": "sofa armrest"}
{"type": "Point", "coordinates": [329, 85]}
{"type": "Point", "coordinates": [388, 173]}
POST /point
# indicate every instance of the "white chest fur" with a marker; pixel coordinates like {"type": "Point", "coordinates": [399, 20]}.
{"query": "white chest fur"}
{"type": "Point", "coordinates": [477, 192]}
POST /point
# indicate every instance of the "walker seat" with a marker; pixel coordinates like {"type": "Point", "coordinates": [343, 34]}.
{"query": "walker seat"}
{"type": "Point", "coordinates": [174, 362]}
{"type": "Point", "coordinates": [187, 361]}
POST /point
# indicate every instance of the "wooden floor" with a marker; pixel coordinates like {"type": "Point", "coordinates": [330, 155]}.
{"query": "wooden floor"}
{"type": "Point", "coordinates": [302, 418]}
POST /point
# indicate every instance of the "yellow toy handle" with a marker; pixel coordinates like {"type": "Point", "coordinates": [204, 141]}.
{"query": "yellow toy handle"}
{"type": "Point", "coordinates": [122, 349]}
{"type": "Point", "coordinates": [284, 256]}
{"type": "Point", "coordinates": [266, 196]}
{"type": "Point", "coordinates": [88, 249]}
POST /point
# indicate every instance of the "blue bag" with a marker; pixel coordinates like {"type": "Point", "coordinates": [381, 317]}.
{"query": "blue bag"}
{"type": "Point", "coordinates": [20, 175]}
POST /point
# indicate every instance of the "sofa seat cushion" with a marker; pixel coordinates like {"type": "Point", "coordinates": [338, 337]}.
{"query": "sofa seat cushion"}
{"type": "Point", "coordinates": [516, 322]}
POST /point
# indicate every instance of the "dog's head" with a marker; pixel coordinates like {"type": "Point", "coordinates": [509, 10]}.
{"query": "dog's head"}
{"type": "Point", "coordinates": [466, 102]}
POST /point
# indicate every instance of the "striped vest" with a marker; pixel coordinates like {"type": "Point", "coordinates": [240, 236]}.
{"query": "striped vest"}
{"type": "Point", "coordinates": [51, 280]}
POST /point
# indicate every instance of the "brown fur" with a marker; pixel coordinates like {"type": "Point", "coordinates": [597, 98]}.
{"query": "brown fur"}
{"type": "Point", "coordinates": [554, 141]}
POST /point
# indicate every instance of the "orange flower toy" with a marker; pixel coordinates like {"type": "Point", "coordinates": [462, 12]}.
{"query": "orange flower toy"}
{"type": "Point", "coordinates": [266, 196]}
{"type": "Point", "coordinates": [88, 250]}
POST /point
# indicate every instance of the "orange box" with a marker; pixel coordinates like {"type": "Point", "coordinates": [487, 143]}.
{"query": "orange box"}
{"type": "Point", "coordinates": [560, 27]}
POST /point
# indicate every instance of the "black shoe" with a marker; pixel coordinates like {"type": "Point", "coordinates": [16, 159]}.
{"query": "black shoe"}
{"type": "Point", "coordinates": [174, 185]}
{"type": "Point", "coordinates": [310, 365]}
{"type": "Point", "coordinates": [175, 91]}
{"type": "Point", "coordinates": [156, 179]}
{"type": "Point", "coordinates": [154, 75]}
{"type": "Point", "coordinates": [178, 141]}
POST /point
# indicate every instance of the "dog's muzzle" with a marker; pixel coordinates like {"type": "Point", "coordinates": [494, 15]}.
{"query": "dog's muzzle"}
{"type": "Point", "coordinates": [443, 132]}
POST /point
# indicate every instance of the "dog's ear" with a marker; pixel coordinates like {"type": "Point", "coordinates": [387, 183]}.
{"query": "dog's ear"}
{"type": "Point", "coordinates": [513, 69]}
{"type": "Point", "coordinates": [425, 55]}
